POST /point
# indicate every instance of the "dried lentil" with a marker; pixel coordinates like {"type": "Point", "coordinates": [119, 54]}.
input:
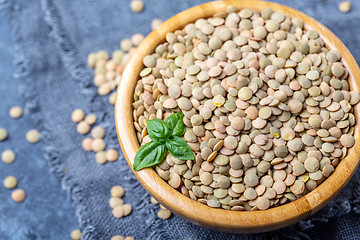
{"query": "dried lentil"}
{"type": "Point", "coordinates": [75, 234]}
{"type": "Point", "coordinates": [98, 145]}
{"type": "Point", "coordinates": [117, 237]}
{"type": "Point", "coordinates": [137, 6]}
{"type": "Point", "coordinates": [345, 6]}
{"type": "Point", "coordinates": [90, 119]}
{"type": "Point", "coordinates": [98, 132]}
{"type": "Point", "coordinates": [18, 195]}
{"type": "Point", "coordinates": [32, 136]}
{"type": "Point", "coordinates": [155, 23]}
{"type": "Point", "coordinates": [15, 112]}
{"type": "Point", "coordinates": [164, 214]}
{"type": "Point", "coordinates": [3, 134]}
{"type": "Point", "coordinates": [10, 182]}
{"type": "Point", "coordinates": [267, 108]}
{"type": "Point", "coordinates": [100, 157]}
{"type": "Point", "coordinates": [77, 115]}
{"type": "Point", "coordinates": [8, 156]}
{"type": "Point", "coordinates": [86, 144]}
{"type": "Point", "coordinates": [117, 191]}
{"type": "Point", "coordinates": [118, 211]}
{"type": "Point", "coordinates": [112, 155]}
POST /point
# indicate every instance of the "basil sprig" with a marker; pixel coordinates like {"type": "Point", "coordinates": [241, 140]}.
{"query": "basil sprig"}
{"type": "Point", "coordinates": [164, 135]}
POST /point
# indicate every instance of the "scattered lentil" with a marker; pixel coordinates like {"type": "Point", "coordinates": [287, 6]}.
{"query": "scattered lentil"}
{"type": "Point", "coordinates": [117, 191]}
{"type": "Point", "coordinates": [83, 127]}
{"type": "Point", "coordinates": [100, 157]}
{"type": "Point", "coordinates": [10, 182]}
{"type": "Point", "coordinates": [118, 211]}
{"type": "Point", "coordinates": [153, 201]}
{"type": "Point", "coordinates": [98, 145]}
{"type": "Point", "coordinates": [112, 98]}
{"type": "Point", "coordinates": [117, 237]}
{"type": "Point", "coordinates": [76, 234]}
{"type": "Point", "coordinates": [8, 156]}
{"type": "Point", "coordinates": [15, 112]}
{"type": "Point", "coordinates": [137, 6]}
{"type": "Point", "coordinates": [77, 115]}
{"type": "Point", "coordinates": [86, 144]}
{"type": "Point", "coordinates": [345, 6]}
{"type": "Point", "coordinates": [127, 209]}
{"type": "Point", "coordinates": [129, 238]}
{"type": "Point", "coordinates": [164, 214]}
{"type": "Point", "coordinates": [115, 201]}
{"type": "Point", "coordinates": [3, 134]}
{"type": "Point", "coordinates": [136, 39]}
{"type": "Point", "coordinates": [98, 132]}
{"type": "Point", "coordinates": [90, 119]}
{"type": "Point", "coordinates": [112, 155]}
{"type": "Point", "coordinates": [32, 136]}
{"type": "Point", "coordinates": [18, 195]}
{"type": "Point", "coordinates": [155, 23]}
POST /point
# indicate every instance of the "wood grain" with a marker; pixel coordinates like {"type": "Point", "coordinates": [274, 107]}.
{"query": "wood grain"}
{"type": "Point", "coordinates": [200, 214]}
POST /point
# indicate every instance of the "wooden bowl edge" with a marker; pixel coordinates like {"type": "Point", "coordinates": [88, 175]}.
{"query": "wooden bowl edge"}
{"type": "Point", "coordinates": [304, 206]}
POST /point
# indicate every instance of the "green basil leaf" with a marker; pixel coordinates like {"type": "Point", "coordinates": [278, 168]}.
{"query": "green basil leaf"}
{"type": "Point", "coordinates": [175, 124]}
{"type": "Point", "coordinates": [157, 130]}
{"type": "Point", "coordinates": [179, 148]}
{"type": "Point", "coordinates": [149, 155]}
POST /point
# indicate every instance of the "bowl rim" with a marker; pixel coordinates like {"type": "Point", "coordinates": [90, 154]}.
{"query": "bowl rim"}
{"type": "Point", "coordinates": [201, 214]}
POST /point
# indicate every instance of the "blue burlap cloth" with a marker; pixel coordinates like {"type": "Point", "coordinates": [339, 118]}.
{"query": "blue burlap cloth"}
{"type": "Point", "coordinates": [52, 40]}
{"type": "Point", "coordinates": [46, 202]}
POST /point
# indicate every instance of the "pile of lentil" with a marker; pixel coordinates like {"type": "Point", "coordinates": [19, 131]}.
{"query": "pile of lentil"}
{"type": "Point", "coordinates": [267, 106]}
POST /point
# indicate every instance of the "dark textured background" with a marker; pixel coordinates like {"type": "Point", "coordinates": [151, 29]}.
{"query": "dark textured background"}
{"type": "Point", "coordinates": [46, 51]}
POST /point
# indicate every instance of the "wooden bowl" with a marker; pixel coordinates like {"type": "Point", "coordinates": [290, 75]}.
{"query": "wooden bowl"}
{"type": "Point", "coordinates": [200, 214]}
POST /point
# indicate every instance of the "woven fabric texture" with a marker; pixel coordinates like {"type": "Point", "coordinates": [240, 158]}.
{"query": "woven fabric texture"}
{"type": "Point", "coordinates": [52, 40]}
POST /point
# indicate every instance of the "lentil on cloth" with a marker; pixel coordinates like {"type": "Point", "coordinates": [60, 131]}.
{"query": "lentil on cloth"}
{"type": "Point", "coordinates": [268, 108]}
{"type": "Point", "coordinates": [18, 195]}
{"type": "Point", "coordinates": [8, 156]}
{"type": "Point", "coordinates": [75, 234]}
{"type": "Point", "coordinates": [345, 6]}
{"type": "Point", "coordinates": [32, 136]}
{"type": "Point", "coordinates": [15, 112]}
{"type": "Point", "coordinates": [3, 134]}
{"type": "Point", "coordinates": [137, 6]}
{"type": "Point", "coordinates": [119, 209]}
{"type": "Point", "coordinates": [10, 182]}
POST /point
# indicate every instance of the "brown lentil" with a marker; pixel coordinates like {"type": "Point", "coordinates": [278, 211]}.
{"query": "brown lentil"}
{"type": "Point", "coordinates": [18, 195]}
{"type": "Point", "coordinates": [10, 182]}
{"type": "Point", "coordinates": [267, 108]}
{"type": "Point", "coordinates": [8, 156]}
{"type": "Point", "coordinates": [32, 136]}
{"type": "Point", "coordinates": [164, 214]}
{"type": "Point", "coordinates": [75, 234]}
{"type": "Point", "coordinates": [15, 112]}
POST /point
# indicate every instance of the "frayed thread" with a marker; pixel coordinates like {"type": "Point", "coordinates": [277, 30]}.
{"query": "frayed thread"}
{"type": "Point", "coordinates": [66, 48]}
